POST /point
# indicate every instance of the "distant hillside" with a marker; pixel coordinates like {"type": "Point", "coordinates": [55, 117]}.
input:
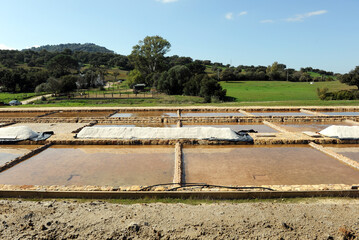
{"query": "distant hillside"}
{"type": "Point", "coordinates": [87, 47]}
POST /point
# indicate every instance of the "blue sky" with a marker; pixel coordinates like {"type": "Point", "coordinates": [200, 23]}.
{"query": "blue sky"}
{"type": "Point", "coordinates": [299, 33]}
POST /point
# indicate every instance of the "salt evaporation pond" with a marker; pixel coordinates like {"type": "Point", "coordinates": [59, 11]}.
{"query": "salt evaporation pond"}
{"type": "Point", "coordinates": [94, 165]}
{"type": "Point", "coordinates": [20, 114]}
{"type": "Point", "coordinates": [279, 114]}
{"type": "Point", "coordinates": [211, 114]}
{"type": "Point", "coordinates": [137, 125]}
{"type": "Point", "coordinates": [144, 114]}
{"type": "Point", "coordinates": [237, 127]}
{"type": "Point", "coordinates": [348, 150]}
{"type": "Point", "coordinates": [10, 152]}
{"type": "Point", "coordinates": [313, 127]}
{"type": "Point", "coordinates": [81, 114]}
{"type": "Point", "coordinates": [264, 165]}
{"type": "Point", "coordinates": [341, 113]}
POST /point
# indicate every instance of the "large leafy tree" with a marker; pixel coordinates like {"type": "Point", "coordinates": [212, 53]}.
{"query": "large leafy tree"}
{"type": "Point", "coordinates": [62, 64]}
{"type": "Point", "coordinates": [148, 55]}
{"type": "Point", "coordinates": [173, 81]}
{"type": "Point", "coordinates": [351, 78]}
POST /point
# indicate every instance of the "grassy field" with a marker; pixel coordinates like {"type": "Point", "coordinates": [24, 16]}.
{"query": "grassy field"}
{"type": "Point", "coordinates": [262, 91]}
{"type": "Point", "coordinates": [6, 97]}
{"type": "Point", "coordinates": [251, 93]}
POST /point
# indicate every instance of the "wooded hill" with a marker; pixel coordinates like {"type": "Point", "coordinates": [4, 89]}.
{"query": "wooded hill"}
{"type": "Point", "coordinates": [86, 47]}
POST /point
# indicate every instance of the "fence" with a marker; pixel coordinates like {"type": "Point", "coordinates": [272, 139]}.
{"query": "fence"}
{"type": "Point", "coordinates": [111, 95]}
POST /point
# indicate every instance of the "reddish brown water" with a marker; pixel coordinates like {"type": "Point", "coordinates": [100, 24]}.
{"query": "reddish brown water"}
{"type": "Point", "coordinates": [211, 114]}
{"type": "Point", "coordinates": [145, 114]}
{"type": "Point", "coordinates": [138, 125]}
{"type": "Point", "coordinates": [348, 150]}
{"type": "Point", "coordinates": [81, 114]}
{"type": "Point", "coordinates": [10, 152]}
{"type": "Point", "coordinates": [313, 127]}
{"type": "Point", "coordinates": [237, 127]}
{"type": "Point", "coordinates": [280, 114]}
{"type": "Point", "coordinates": [341, 113]}
{"type": "Point", "coordinates": [94, 165]}
{"type": "Point", "coordinates": [251, 165]}
{"type": "Point", "coordinates": [20, 114]}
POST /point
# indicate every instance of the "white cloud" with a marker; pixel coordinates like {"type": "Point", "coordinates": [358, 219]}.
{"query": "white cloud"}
{"type": "Point", "coordinates": [229, 16]}
{"type": "Point", "coordinates": [166, 1]}
{"type": "Point", "coordinates": [267, 21]}
{"type": "Point", "coordinates": [4, 47]}
{"type": "Point", "coordinates": [301, 17]}
{"type": "Point", "coordinates": [243, 13]}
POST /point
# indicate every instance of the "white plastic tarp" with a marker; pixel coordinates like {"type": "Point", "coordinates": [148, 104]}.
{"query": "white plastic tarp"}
{"type": "Point", "coordinates": [208, 133]}
{"type": "Point", "coordinates": [341, 132]}
{"type": "Point", "coordinates": [17, 133]}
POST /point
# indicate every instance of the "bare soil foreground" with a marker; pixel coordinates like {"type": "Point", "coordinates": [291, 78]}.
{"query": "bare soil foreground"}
{"type": "Point", "coordinates": [274, 219]}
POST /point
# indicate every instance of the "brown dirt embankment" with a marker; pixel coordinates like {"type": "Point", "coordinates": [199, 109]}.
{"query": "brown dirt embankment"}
{"type": "Point", "coordinates": [306, 219]}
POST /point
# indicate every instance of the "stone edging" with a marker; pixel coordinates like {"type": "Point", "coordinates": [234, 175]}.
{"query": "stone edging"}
{"type": "Point", "coordinates": [335, 155]}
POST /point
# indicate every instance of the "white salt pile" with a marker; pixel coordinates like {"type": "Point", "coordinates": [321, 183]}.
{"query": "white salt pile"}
{"type": "Point", "coordinates": [204, 133]}
{"type": "Point", "coordinates": [341, 132]}
{"type": "Point", "coordinates": [17, 133]}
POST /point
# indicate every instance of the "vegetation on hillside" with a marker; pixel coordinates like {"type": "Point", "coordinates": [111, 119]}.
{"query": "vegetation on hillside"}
{"type": "Point", "coordinates": [86, 47]}
{"type": "Point", "coordinates": [66, 67]}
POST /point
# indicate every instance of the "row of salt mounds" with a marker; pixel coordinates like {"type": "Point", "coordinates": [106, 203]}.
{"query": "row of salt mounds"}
{"type": "Point", "coordinates": [17, 133]}
{"type": "Point", "coordinates": [203, 133]}
{"type": "Point", "coordinates": [341, 132]}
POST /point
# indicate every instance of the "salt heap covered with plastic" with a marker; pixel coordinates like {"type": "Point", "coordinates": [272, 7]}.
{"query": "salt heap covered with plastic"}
{"type": "Point", "coordinates": [341, 132]}
{"type": "Point", "coordinates": [17, 133]}
{"type": "Point", "coordinates": [203, 133]}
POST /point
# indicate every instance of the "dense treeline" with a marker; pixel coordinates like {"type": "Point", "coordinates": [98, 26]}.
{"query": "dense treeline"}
{"type": "Point", "coordinates": [351, 79]}
{"type": "Point", "coordinates": [75, 47]}
{"type": "Point", "coordinates": [26, 71]}
{"type": "Point", "coordinates": [62, 71]}
{"type": "Point", "coordinates": [14, 58]}
{"type": "Point", "coordinates": [275, 72]}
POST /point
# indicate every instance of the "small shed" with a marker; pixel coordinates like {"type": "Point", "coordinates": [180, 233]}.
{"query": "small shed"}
{"type": "Point", "coordinates": [139, 88]}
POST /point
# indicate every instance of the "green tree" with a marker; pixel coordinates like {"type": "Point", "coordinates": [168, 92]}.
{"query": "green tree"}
{"type": "Point", "coordinates": [193, 86]}
{"type": "Point", "coordinates": [211, 88]}
{"type": "Point", "coordinates": [61, 65]}
{"type": "Point", "coordinates": [173, 81]}
{"type": "Point", "coordinates": [274, 71]}
{"type": "Point", "coordinates": [148, 55]}
{"type": "Point", "coordinates": [228, 75]}
{"type": "Point", "coordinates": [351, 78]}
{"type": "Point", "coordinates": [134, 77]}
{"type": "Point", "coordinates": [305, 77]}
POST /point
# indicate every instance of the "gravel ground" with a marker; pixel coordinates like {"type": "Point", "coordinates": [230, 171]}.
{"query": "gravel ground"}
{"type": "Point", "coordinates": [71, 219]}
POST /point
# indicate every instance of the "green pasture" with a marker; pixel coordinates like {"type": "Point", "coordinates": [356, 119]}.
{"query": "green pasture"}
{"type": "Point", "coordinates": [6, 97]}
{"type": "Point", "coordinates": [263, 91]}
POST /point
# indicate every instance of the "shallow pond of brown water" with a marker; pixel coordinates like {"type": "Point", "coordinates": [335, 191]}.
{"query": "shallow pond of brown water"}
{"type": "Point", "coordinates": [10, 152]}
{"type": "Point", "coordinates": [81, 114]}
{"type": "Point", "coordinates": [94, 165]}
{"type": "Point", "coordinates": [144, 114]}
{"type": "Point", "coordinates": [264, 165]}
{"type": "Point", "coordinates": [20, 114]}
{"type": "Point", "coordinates": [341, 113]}
{"type": "Point", "coordinates": [211, 114]}
{"type": "Point", "coordinates": [348, 150]}
{"type": "Point", "coordinates": [313, 127]}
{"type": "Point", "coordinates": [280, 114]}
{"type": "Point", "coordinates": [236, 127]}
{"type": "Point", "coordinates": [137, 125]}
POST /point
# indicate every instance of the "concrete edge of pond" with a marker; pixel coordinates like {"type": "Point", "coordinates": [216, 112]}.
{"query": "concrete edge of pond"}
{"type": "Point", "coordinates": [218, 195]}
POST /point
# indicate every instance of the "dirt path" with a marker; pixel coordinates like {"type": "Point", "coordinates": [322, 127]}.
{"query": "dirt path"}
{"type": "Point", "coordinates": [33, 99]}
{"type": "Point", "coordinates": [324, 219]}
